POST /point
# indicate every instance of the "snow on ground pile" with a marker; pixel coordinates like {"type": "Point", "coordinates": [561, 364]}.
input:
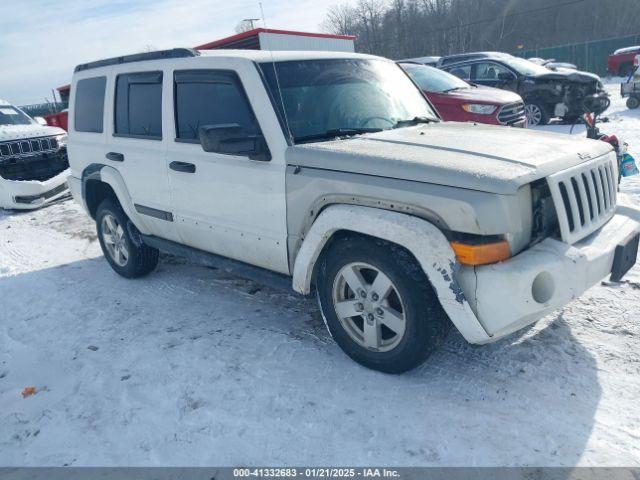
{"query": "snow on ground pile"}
{"type": "Point", "coordinates": [190, 366]}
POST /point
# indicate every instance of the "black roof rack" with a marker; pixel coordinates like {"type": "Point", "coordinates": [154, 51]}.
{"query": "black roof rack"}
{"type": "Point", "coordinates": [139, 57]}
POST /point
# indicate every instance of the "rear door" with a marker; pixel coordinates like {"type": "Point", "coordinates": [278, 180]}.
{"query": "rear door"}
{"type": "Point", "coordinates": [138, 143]}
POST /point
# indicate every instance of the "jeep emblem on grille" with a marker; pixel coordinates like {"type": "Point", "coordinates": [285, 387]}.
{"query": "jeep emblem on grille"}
{"type": "Point", "coordinates": [584, 156]}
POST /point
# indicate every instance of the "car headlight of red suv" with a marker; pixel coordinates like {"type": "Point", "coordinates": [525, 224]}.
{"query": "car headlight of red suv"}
{"type": "Point", "coordinates": [479, 108]}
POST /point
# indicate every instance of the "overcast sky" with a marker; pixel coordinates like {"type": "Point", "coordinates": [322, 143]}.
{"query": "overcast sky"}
{"type": "Point", "coordinates": [41, 41]}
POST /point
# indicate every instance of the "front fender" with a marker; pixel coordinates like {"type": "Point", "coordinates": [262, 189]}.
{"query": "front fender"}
{"type": "Point", "coordinates": [425, 241]}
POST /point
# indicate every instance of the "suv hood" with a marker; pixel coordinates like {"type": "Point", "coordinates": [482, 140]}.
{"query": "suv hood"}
{"type": "Point", "coordinates": [480, 94]}
{"type": "Point", "coordinates": [566, 74]}
{"type": "Point", "coordinates": [18, 132]}
{"type": "Point", "coordinates": [464, 155]}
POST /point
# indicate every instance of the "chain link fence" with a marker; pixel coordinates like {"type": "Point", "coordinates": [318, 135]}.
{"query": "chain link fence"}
{"type": "Point", "coordinates": [588, 56]}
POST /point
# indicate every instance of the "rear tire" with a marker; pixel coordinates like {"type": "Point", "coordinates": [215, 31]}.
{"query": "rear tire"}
{"type": "Point", "coordinates": [633, 103]}
{"type": "Point", "coordinates": [127, 256]}
{"type": "Point", "coordinates": [379, 305]}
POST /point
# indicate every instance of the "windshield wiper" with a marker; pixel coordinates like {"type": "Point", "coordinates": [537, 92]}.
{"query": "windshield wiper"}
{"type": "Point", "coordinates": [413, 121]}
{"type": "Point", "coordinates": [336, 132]}
{"type": "Point", "coordinates": [454, 89]}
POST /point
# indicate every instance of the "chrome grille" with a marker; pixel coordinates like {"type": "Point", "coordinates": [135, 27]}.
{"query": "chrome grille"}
{"type": "Point", "coordinates": [585, 196]}
{"type": "Point", "coordinates": [512, 113]}
{"type": "Point", "coordinates": [28, 147]}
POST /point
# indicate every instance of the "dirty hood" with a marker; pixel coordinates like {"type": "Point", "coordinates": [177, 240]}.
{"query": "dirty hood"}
{"type": "Point", "coordinates": [19, 132]}
{"type": "Point", "coordinates": [464, 155]}
{"type": "Point", "coordinates": [571, 75]}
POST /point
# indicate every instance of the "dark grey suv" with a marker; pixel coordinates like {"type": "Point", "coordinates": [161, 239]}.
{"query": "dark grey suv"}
{"type": "Point", "coordinates": [547, 93]}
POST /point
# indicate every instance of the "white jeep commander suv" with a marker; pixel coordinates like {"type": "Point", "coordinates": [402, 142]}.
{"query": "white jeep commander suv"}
{"type": "Point", "coordinates": [331, 172]}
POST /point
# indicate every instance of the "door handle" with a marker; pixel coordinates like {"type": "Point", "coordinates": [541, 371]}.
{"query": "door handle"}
{"type": "Point", "coordinates": [115, 157]}
{"type": "Point", "coordinates": [183, 167]}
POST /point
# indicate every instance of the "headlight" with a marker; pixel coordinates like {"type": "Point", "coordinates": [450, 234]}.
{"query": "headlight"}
{"type": "Point", "coordinates": [479, 108]}
{"type": "Point", "coordinates": [62, 139]}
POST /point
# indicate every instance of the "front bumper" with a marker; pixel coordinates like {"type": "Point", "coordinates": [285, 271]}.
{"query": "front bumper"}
{"type": "Point", "coordinates": [31, 194]}
{"type": "Point", "coordinates": [574, 106]}
{"type": "Point", "coordinates": [510, 295]}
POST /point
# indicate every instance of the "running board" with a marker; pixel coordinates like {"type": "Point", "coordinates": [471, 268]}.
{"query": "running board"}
{"type": "Point", "coordinates": [250, 272]}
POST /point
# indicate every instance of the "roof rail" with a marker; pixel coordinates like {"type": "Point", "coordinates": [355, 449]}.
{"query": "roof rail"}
{"type": "Point", "coordinates": [139, 57]}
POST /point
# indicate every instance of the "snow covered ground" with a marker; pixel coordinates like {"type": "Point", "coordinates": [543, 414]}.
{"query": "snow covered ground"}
{"type": "Point", "coordinates": [190, 366]}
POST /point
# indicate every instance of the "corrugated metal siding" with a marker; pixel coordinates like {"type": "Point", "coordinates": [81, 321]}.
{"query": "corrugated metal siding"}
{"type": "Point", "coordinates": [588, 56]}
{"type": "Point", "coordinates": [274, 41]}
{"type": "Point", "coordinates": [248, 43]}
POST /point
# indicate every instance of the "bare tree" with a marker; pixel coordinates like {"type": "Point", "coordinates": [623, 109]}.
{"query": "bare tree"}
{"type": "Point", "coordinates": [340, 20]}
{"type": "Point", "coordinates": [404, 28]}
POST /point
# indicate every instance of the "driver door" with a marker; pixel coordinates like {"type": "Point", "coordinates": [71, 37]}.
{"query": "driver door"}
{"type": "Point", "coordinates": [224, 204]}
{"type": "Point", "coordinates": [493, 74]}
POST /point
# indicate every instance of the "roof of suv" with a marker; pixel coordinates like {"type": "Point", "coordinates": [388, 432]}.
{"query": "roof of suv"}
{"type": "Point", "coordinates": [450, 59]}
{"type": "Point", "coordinates": [621, 51]}
{"type": "Point", "coordinates": [254, 55]}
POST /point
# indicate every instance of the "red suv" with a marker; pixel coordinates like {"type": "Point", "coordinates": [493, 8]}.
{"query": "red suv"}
{"type": "Point", "coordinates": [459, 101]}
{"type": "Point", "coordinates": [620, 62]}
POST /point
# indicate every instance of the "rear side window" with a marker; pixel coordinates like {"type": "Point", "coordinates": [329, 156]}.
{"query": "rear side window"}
{"type": "Point", "coordinates": [207, 97]}
{"type": "Point", "coordinates": [138, 105]}
{"type": "Point", "coordinates": [89, 104]}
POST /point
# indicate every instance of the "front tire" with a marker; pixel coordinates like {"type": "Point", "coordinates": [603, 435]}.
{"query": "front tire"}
{"type": "Point", "coordinates": [633, 103]}
{"type": "Point", "coordinates": [536, 114]}
{"type": "Point", "coordinates": [379, 305]}
{"type": "Point", "coordinates": [127, 256]}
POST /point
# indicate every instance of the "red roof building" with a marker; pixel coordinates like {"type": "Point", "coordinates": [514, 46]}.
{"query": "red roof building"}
{"type": "Point", "coordinates": [270, 39]}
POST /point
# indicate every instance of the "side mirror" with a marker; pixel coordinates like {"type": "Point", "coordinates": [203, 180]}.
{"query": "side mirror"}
{"type": "Point", "coordinates": [40, 121]}
{"type": "Point", "coordinates": [231, 139]}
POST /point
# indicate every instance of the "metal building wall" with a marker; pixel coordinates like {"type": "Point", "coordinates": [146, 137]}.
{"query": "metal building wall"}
{"type": "Point", "coordinates": [276, 41]}
{"type": "Point", "coordinates": [588, 56]}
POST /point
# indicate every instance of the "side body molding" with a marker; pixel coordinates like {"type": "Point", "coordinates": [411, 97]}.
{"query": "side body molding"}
{"type": "Point", "coordinates": [428, 244]}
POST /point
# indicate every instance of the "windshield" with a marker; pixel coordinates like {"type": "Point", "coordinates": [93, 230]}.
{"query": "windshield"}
{"type": "Point", "coordinates": [434, 80]}
{"type": "Point", "coordinates": [12, 116]}
{"type": "Point", "coordinates": [525, 67]}
{"type": "Point", "coordinates": [356, 95]}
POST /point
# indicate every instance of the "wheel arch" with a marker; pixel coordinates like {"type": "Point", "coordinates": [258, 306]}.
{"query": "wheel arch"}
{"type": "Point", "coordinates": [422, 239]}
{"type": "Point", "coordinates": [102, 181]}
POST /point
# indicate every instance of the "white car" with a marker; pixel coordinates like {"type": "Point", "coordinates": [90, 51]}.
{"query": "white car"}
{"type": "Point", "coordinates": [33, 161]}
{"type": "Point", "coordinates": [331, 172]}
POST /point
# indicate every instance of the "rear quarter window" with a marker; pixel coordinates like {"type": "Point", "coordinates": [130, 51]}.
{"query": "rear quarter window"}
{"type": "Point", "coordinates": [89, 105]}
{"type": "Point", "coordinates": [138, 105]}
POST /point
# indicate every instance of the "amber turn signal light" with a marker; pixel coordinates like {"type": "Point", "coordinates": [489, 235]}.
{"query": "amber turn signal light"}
{"type": "Point", "coordinates": [481, 254]}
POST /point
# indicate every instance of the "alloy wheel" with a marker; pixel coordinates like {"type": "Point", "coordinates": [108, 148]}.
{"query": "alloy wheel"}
{"type": "Point", "coordinates": [533, 114]}
{"type": "Point", "coordinates": [369, 307]}
{"type": "Point", "coordinates": [114, 241]}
